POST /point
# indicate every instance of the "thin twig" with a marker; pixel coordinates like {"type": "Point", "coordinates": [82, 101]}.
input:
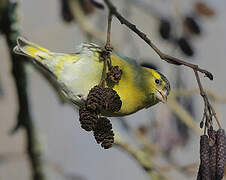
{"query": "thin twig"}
{"type": "Point", "coordinates": [103, 76]}
{"type": "Point", "coordinates": [108, 45]}
{"type": "Point", "coordinates": [105, 53]}
{"type": "Point", "coordinates": [169, 59]}
{"type": "Point", "coordinates": [208, 106]}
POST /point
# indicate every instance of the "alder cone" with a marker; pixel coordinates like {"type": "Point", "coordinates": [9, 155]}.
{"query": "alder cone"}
{"type": "Point", "coordinates": [95, 101]}
{"type": "Point", "coordinates": [112, 101]}
{"type": "Point", "coordinates": [114, 75]}
{"type": "Point", "coordinates": [103, 133]}
{"type": "Point", "coordinates": [100, 98]}
{"type": "Point", "coordinates": [108, 141]}
{"type": "Point", "coordinates": [87, 118]}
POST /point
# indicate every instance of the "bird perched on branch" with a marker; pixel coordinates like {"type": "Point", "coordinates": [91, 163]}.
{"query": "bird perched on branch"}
{"type": "Point", "coordinates": [76, 73]}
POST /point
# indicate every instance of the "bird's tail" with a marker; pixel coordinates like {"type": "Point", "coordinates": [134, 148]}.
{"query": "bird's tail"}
{"type": "Point", "coordinates": [26, 48]}
{"type": "Point", "coordinates": [40, 55]}
{"type": "Point", "coordinates": [50, 61]}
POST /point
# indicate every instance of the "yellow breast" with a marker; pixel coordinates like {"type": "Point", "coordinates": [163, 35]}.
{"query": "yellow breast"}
{"type": "Point", "coordinates": [133, 97]}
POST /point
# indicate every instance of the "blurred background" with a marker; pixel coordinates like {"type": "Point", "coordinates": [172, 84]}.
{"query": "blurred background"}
{"type": "Point", "coordinates": [191, 30]}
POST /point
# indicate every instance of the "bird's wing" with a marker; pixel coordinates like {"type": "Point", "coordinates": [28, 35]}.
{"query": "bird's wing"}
{"type": "Point", "coordinates": [52, 63]}
{"type": "Point", "coordinates": [75, 73]}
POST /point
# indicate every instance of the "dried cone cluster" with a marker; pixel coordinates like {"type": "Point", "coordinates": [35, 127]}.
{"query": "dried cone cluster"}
{"type": "Point", "coordinates": [100, 99]}
{"type": "Point", "coordinates": [212, 155]}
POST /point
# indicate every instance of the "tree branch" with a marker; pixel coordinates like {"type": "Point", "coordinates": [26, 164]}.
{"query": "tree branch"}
{"type": "Point", "coordinates": [172, 60]}
{"type": "Point", "coordinates": [167, 58]}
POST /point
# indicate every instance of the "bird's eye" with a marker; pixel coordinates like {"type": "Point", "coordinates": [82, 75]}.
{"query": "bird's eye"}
{"type": "Point", "coordinates": [157, 81]}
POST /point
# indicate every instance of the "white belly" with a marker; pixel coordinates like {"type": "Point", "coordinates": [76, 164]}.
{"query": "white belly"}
{"type": "Point", "coordinates": [79, 77]}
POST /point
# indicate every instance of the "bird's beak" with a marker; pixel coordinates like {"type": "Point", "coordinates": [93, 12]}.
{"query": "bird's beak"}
{"type": "Point", "coordinates": [161, 95]}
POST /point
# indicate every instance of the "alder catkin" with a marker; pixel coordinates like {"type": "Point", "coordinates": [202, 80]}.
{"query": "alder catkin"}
{"type": "Point", "coordinates": [221, 147]}
{"type": "Point", "coordinates": [204, 157]}
{"type": "Point", "coordinates": [213, 153]}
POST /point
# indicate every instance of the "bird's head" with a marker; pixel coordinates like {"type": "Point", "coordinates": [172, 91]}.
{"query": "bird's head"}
{"type": "Point", "coordinates": [158, 86]}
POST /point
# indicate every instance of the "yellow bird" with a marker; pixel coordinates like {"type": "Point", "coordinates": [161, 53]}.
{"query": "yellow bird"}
{"type": "Point", "coordinates": [78, 72]}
